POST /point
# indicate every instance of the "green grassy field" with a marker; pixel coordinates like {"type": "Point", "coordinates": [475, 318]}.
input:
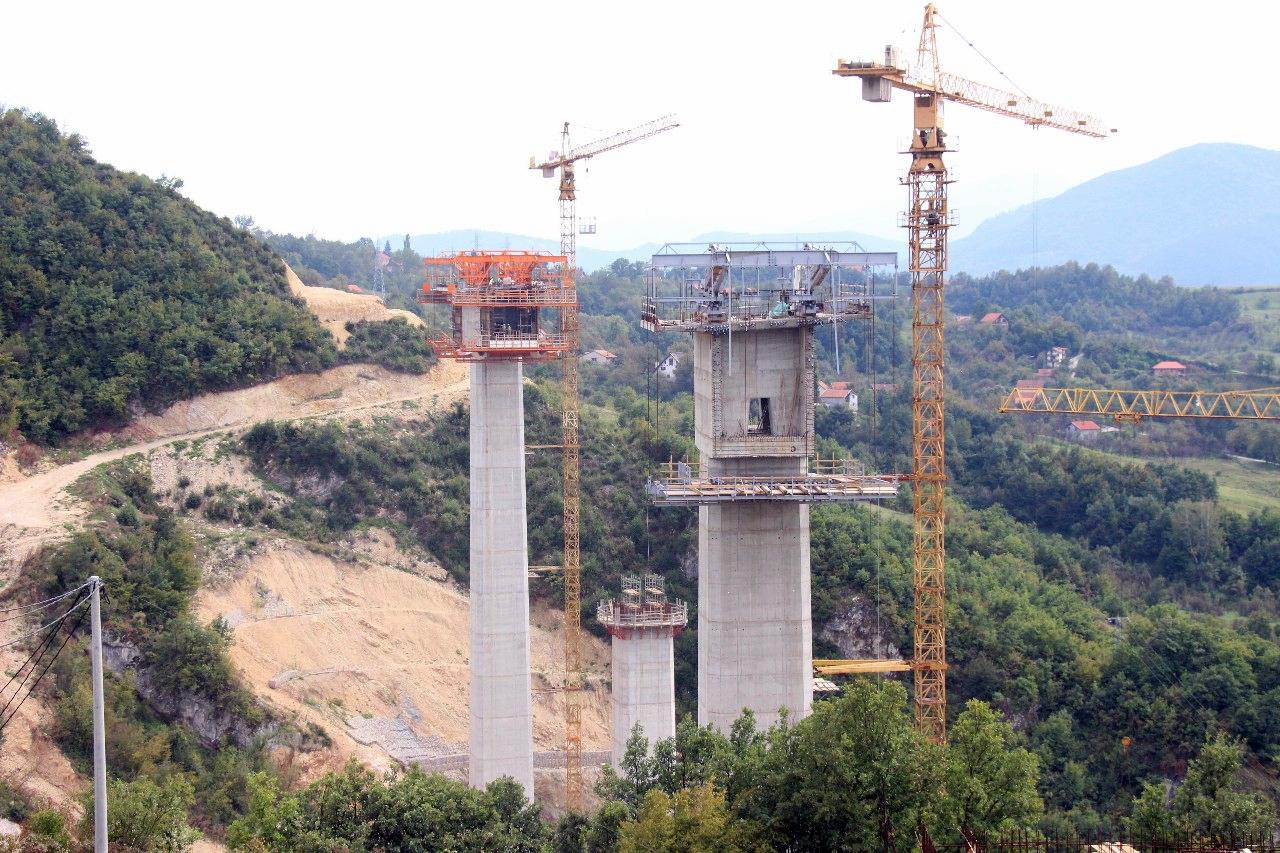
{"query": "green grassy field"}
{"type": "Point", "coordinates": [1242, 486]}
{"type": "Point", "coordinates": [1261, 307]}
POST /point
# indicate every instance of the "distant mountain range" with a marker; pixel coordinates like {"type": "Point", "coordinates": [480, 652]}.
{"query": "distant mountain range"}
{"type": "Point", "coordinates": [1207, 214]}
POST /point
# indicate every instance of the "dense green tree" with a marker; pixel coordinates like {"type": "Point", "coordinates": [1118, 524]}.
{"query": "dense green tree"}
{"type": "Point", "coordinates": [116, 292]}
{"type": "Point", "coordinates": [1207, 804]}
{"type": "Point", "coordinates": [854, 775]}
{"type": "Point", "coordinates": [990, 784]}
{"type": "Point", "coordinates": [149, 816]}
{"type": "Point", "coordinates": [356, 810]}
{"type": "Point", "coordinates": [693, 820]}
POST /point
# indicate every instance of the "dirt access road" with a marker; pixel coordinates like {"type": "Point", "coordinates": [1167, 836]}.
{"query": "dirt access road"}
{"type": "Point", "coordinates": [37, 509]}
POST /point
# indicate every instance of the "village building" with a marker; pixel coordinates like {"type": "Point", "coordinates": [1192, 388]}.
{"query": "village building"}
{"type": "Point", "coordinates": [1169, 368]}
{"type": "Point", "coordinates": [1083, 431]}
{"type": "Point", "coordinates": [668, 366]}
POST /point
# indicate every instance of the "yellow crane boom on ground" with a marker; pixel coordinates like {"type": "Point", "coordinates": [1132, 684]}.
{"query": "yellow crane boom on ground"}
{"type": "Point", "coordinates": [928, 221]}
{"type": "Point", "coordinates": [1261, 404]}
{"type": "Point", "coordinates": [563, 162]}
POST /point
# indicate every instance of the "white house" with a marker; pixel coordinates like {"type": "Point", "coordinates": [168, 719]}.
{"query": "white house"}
{"type": "Point", "coordinates": [667, 367]}
{"type": "Point", "coordinates": [833, 397]}
{"type": "Point", "coordinates": [597, 356]}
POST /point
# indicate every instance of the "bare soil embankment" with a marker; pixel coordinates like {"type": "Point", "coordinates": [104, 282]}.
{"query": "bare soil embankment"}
{"type": "Point", "coordinates": [371, 647]}
{"type": "Point", "coordinates": [335, 308]}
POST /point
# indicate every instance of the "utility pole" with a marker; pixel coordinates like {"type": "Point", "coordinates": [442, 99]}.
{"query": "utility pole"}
{"type": "Point", "coordinates": [99, 721]}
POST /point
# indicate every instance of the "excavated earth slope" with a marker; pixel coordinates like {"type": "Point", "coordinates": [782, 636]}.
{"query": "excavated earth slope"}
{"type": "Point", "coordinates": [371, 645]}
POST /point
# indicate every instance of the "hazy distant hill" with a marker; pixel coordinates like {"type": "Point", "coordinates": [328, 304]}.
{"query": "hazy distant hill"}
{"type": "Point", "coordinates": [1208, 214]}
{"type": "Point", "coordinates": [591, 259]}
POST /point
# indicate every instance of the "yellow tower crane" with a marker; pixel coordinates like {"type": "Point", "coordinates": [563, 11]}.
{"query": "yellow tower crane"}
{"type": "Point", "coordinates": [928, 221]}
{"type": "Point", "coordinates": [563, 162]}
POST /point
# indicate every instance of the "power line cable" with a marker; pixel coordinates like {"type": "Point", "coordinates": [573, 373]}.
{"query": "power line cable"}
{"type": "Point", "coordinates": [34, 659]}
{"type": "Point", "coordinates": [34, 631]}
{"type": "Point", "coordinates": [40, 677]}
{"type": "Point", "coordinates": [41, 605]}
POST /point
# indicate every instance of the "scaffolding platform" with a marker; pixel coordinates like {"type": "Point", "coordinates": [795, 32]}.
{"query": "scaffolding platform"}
{"type": "Point", "coordinates": [684, 484]}
{"type": "Point", "coordinates": [644, 609]}
{"type": "Point", "coordinates": [499, 302]}
{"type": "Point", "coordinates": [750, 286]}
{"type": "Point", "coordinates": [484, 347]}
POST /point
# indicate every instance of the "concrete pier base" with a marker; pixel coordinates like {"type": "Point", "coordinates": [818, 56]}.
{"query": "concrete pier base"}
{"type": "Point", "coordinates": [755, 628]}
{"type": "Point", "coordinates": [644, 688]}
{"type": "Point", "coordinates": [501, 738]}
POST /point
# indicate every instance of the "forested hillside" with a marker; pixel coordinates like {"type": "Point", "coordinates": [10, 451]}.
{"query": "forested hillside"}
{"type": "Point", "coordinates": [1116, 614]}
{"type": "Point", "coordinates": [1095, 298]}
{"type": "Point", "coordinates": [332, 263]}
{"type": "Point", "coordinates": [116, 291]}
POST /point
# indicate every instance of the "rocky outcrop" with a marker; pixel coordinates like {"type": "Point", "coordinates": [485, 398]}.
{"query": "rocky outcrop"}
{"type": "Point", "coordinates": [853, 631]}
{"type": "Point", "coordinates": [212, 724]}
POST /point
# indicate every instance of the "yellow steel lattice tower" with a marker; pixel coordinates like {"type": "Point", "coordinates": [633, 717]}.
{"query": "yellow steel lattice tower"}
{"type": "Point", "coordinates": [927, 224]}
{"type": "Point", "coordinates": [928, 221]}
{"type": "Point", "coordinates": [563, 162]}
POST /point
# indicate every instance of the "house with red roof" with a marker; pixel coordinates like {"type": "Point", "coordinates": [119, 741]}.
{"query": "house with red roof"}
{"type": "Point", "coordinates": [995, 319]}
{"type": "Point", "coordinates": [597, 356]}
{"type": "Point", "coordinates": [834, 398]}
{"type": "Point", "coordinates": [1025, 390]}
{"type": "Point", "coordinates": [1169, 368]}
{"type": "Point", "coordinates": [1083, 431]}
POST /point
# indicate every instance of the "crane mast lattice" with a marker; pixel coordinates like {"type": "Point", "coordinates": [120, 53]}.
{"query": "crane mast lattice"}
{"type": "Point", "coordinates": [563, 162]}
{"type": "Point", "coordinates": [928, 221]}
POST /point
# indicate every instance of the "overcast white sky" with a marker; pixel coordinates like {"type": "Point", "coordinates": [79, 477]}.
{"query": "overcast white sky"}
{"type": "Point", "coordinates": [359, 119]}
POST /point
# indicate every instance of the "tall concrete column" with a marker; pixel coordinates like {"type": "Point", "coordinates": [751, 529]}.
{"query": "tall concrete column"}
{"type": "Point", "coordinates": [754, 418]}
{"type": "Point", "coordinates": [501, 741]}
{"type": "Point", "coordinates": [644, 688]}
{"type": "Point", "coordinates": [755, 629]}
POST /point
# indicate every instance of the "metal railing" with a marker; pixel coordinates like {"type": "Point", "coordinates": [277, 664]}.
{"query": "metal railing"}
{"type": "Point", "coordinates": [673, 613]}
{"type": "Point", "coordinates": [1117, 841]}
{"type": "Point", "coordinates": [681, 471]}
{"type": "Point", "coordinates": [536, 297]}
{"type": "Point", "coordinates": [514, 343]}
{"type": "Point", "coordinates": [686, 483]}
